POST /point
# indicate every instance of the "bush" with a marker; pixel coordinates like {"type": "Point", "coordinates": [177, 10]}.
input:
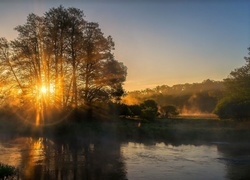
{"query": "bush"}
{"type": "Point", "coordinates": [169, 111]}
{"type": "Point", "coordinates": [233, 108]}
{"type": "Point", "coordinates": [148, 110]}
{"type": "Point", "coordinates": [6, 171]}
{"type": "Point", "coordinates": [135, 110]}
{"type": "Point", "coordinates": [123, 109]}
{"type": "Point", "coordinates": [148, 113]}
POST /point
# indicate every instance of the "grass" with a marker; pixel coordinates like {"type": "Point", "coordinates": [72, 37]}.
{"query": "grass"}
{"type": "Point", "coordinates": [180, 129]}
{"type": "Point", "coordinates": [187, 129]}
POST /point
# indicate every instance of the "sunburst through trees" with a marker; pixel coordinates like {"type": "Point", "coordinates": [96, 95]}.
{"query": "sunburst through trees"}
{"type": "Point", "coordinates": [58, 61]}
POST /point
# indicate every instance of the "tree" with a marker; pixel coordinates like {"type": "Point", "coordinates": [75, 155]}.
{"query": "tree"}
{"type": "Point", "coordinates": [236, 103]}
{"type": "Point", "coordinates": [188, 98]}
{"type": "Point", "coordinates": [26, 62]}
{"type": "Point", "coordinates": [135, 110]}
{"type": "Point", "coordinates": [64, 37]}
{"type": "Point", "coordinates": [230, 107]}
{"type": "Point", "coordinates": [77, 25]}
{"type": "Point", "coordinates": [238, 82]}
{"type": "Point", "coordinates": [123, 109]}
{"type": "Point", "coordinates": [60, 61]}
{"type": "Point", "coordinates": [101, 75]}
{"type": "Point", "coordinates": [8, 86]}
{"type": "Point", "coordinates": [168, 111]}
{"type": "Point", "coordinates": [149, 110]}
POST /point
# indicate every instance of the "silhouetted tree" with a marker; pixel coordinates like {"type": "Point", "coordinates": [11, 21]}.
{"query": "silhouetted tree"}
{"type": "Point", "coordinates": [60, 60]}
{"type": "Point", "coordinates": [101, 75]}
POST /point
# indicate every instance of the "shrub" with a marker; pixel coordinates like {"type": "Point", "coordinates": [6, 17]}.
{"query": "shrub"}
{"type": "Point", "coordinates": [148, 113]}
{"type": "Point", "coordinates": [6, 171]}
{"type": "Point", "coordinates": [169, 111]}
{"type": "Point", "coordinates": [233, 108]}
{"type": "Point", "coordinates": [135, 110]}
{"type": "Point", "coordinates": [149, 110]}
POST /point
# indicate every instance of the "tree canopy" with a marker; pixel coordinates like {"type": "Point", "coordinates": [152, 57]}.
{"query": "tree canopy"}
{"type": "Point", "coordinates": [168, 111]}
{"type": "Point", "coordinates": [187, 98]}
{"type": "Point", "coordinates": [236, 102]}
{"type": "Point", "coordinates": [59, 61]}
{"type": "Point", "coordinates": [149, 109]}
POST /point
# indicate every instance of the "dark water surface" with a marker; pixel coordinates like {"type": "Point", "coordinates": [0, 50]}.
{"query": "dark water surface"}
{"type": "Point", "coordinates": [108, 158]}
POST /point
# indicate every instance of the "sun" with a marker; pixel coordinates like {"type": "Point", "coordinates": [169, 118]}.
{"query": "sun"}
{"type": "Point", "coordinates": [43, 89]}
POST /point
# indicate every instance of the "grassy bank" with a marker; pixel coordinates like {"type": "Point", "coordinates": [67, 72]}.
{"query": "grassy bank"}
{"type": "Point", "coordinates": [186, 129]}
{"type": "Point", "coordinates": [182, 129]}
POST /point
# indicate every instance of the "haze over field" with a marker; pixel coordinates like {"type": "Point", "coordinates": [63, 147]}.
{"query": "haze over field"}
{"type": "Point", "coordinates": [161, 42]}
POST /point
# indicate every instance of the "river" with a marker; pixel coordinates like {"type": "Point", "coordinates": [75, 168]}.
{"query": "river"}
{"type": "Point", "coordinates": [109, 158]}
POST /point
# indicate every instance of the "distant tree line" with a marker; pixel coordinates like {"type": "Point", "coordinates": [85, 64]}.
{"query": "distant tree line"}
{"type": "Point", "coordinates": [229, 99]}
{"type": "Point", "coordinates": [147, 110]}
{"type": "Point", "coordinates": [58, 61]}
{"type": "Point", "coordinates": [187, 98]}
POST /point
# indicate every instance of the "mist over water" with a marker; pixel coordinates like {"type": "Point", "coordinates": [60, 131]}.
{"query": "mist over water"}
{"type": "Point", "coordinates": [78, 157]}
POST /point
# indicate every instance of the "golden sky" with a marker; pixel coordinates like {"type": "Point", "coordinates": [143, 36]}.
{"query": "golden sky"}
{"type": "Point", "coordinates": [161, 42]}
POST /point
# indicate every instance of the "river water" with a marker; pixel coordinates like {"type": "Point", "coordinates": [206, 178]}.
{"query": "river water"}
{"type": "Point", "coordinates": [108, 158]}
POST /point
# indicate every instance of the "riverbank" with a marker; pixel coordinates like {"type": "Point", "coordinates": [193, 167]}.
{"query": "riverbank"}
{"type": "Point", "coordinates": [187, 129]}
{"type": "Point", "coordinates": [182, 129]}
{"type": "Point", "coordinates": [97, 138]}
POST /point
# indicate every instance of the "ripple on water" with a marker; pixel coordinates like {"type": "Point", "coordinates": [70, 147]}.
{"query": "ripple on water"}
{"type": "Point", "coordinates": [172, 162]}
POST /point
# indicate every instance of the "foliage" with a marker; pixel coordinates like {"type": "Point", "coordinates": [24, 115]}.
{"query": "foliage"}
{"type": "Point", "coordinates": [135, 110]}
{"type": "Point", "coordinates": [233, 108]}
{"type": "Point", "coordinates": [124, 110]}
{"type": "Point", "coordinates": [188, 98]}
{"type": "Point", "coordinates": [148, 113]}
{"type": "Point", "coordinates": [6, 171]}
{"type": "Point", "coordinates": [236, 103]}
{"type": "Point", "coordinates": [168, 111]}
{"type": "Point", "coordinates": [148, 110]}
{"type": "Point", "coordinates": [238, 82]}
{"type": "Point", "coordinates": [59, 60]}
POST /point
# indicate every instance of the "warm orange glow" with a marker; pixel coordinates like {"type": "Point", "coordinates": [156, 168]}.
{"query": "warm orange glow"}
{"type": "Point", "coordinates": [34, 154]}
{"type": "Point", "coordinates": [130, 100]}
{"type": "Point", "coordinates": [43, 89]}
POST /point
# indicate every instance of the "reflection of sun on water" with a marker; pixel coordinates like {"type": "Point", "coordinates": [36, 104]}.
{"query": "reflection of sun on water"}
{"type": "Point", "coordinates": [33, 156]}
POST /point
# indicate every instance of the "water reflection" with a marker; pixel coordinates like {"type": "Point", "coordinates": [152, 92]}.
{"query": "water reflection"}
{"type": "Point", "coordinates": [73, 158]}
{"type": "Point", "coordinates": [78, 157]}
{"type": "Point", "coordinates": [161, 161]}
{"type": "Point", "coordinates": [236, 157]}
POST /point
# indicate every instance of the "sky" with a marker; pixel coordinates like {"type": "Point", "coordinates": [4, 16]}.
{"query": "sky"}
{"type": "Point", "coordinates": [162, 42]}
